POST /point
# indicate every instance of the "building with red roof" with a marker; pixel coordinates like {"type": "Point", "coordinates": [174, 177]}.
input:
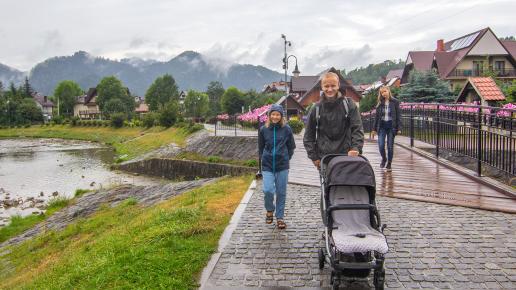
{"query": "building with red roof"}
{"type": "Point", "coordinates": [482, 90]}
{"type": "Point", "coordinates": [470, 55]}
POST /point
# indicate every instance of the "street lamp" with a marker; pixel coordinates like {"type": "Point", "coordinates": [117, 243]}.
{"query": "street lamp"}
{"type": "Point", "coordinates": [296, 71]}
{"type": "Point", "coordinates": [8, 114]}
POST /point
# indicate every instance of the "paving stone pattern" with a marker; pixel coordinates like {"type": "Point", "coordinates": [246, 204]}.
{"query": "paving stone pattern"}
{"type": "Point", "coordinates": [432, 246]}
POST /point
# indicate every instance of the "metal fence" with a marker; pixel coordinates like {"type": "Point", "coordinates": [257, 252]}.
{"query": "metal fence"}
{"type": "Point", "coordinates": [483, 133]}
{"type": "Point", "coordinates": [232, 126]}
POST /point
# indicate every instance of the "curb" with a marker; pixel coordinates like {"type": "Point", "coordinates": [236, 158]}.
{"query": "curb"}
{"type": "Point", "coordinates": [487, 181]}
{"type": "Point", "coordinates": [226, 235]}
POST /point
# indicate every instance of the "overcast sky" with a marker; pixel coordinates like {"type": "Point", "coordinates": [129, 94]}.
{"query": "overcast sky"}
{"type": "Point", "coordinates": [341, 33]}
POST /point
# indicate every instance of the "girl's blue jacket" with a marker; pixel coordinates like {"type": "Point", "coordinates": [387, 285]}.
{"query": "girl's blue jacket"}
{"type": "Point", "coordinates": [276, 146]}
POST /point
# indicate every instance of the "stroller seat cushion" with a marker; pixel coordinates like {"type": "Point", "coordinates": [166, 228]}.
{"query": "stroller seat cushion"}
{"type": "Point", "coordinates": [362, 242]}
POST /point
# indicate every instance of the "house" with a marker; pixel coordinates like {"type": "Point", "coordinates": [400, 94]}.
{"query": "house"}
{"type": "Point", "coordinates": [312, 93]}
{"type": "Point", "coordinates": [274, 87]}
{"type": "Point", "coordinates": [293, 106]}
{"type": "Point", "coordinates": [182, 97]}
{"type": "Point", "coordinates": [393, 78]}
{"type": "Point", "coordinates": [44, 104]}
{"type": "Point", "coordinates": [301, 84]}
{"type": "Point", "coordinates": [86, 105]}
{"type": "Point", "coordinates": [482, 90]}
{"type": "Point", "coordinates": [470, 55]}
{"type": "Point", "coordinates": [141, 108]}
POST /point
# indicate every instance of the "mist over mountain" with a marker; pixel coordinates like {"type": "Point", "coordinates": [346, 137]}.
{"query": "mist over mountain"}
{"type": "Point", "coordinates": [190, 69]}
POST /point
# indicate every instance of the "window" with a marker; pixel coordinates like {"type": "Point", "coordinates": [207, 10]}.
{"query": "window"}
{"type": "Point", "coordinates": [500, 66]}
{"type": "Point", "coordinates": [478, 67]}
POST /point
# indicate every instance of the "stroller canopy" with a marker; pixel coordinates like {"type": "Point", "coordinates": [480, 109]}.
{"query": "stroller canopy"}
{"type": "Point", "coordinates": [347, 170]}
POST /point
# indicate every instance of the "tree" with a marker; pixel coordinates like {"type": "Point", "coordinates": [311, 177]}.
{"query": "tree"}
{"type": "Point", "coordinates": [215, 91]}
{"type": "Point", "coordinates": [369, 101]}
{"type": "Point", "coordinates": [372, 72]}
{"type": "Point", "coordinates": [65, 94]}
{"type": "Point", "coordinates": [27, 89]}
{"type": "Point", "coordinates": [508, 38]}
{"type": "Point", "coordinates": [1, 89]}
{"type": "Point", "coordinates": [168, 113]}
{"type": "Point", "coordinates": [509, 90]}
{"type": "Point", "coordinates": [28, 112]}
{"type": "Point", "coordinates": [232, 101]}
{"type": "Point", "coordinates": [196, 104]}
{"type": "Point", "coordinates": [112, 95]}
{"type": "Point", "coordinates": [162, 91]}
{"type": "Point", "coordinates": [425, 87]}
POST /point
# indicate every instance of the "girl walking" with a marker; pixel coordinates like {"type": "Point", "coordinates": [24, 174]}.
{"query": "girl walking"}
{"type": "Point", "coordinates": [276, 146]}
{"type": "Point", "coordinates": [387, 124]}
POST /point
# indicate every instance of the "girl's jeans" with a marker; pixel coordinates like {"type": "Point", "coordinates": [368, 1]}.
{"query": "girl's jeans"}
{"type": "Point", "coordinates": [386, 130]}
{"type": "Point", "coordinates": [275, 183]}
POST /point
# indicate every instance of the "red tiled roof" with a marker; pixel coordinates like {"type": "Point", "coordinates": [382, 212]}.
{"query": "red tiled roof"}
{"type": "Point", "coordinates": [487, 88]}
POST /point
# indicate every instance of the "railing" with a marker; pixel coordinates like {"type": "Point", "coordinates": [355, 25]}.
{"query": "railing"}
{"type": "Point", "coordinates": [232, 126]}
{"type": "Point", "coordinates": [486, 134]}
{"type": "Point", "coordinates": [476, 73]}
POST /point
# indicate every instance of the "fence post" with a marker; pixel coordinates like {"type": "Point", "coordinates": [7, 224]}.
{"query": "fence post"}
{"type": "Point", "coordinates": [411, 126]}
{"type": "Point", "coordinates": [216, 122]}
{"type": "Point", "coordinates": [235, 122]}
{"type": "Point", "coordinates": [370, 126]}
{"type": "Point", "coordinates": [259, 173]}
{"type": "Point", "coordinates": [511, 170]}
{"type": "Point", "coordinates": [479, 143]}
{"type": "Point", "coordinates": [438, 122]}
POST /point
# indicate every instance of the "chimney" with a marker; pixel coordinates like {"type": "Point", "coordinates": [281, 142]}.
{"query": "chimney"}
{"type": "Point", "coordinates": [440, 45]}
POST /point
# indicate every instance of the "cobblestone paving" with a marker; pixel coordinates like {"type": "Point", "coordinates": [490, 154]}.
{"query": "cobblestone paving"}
{"type": "Point", "coordinates": [432, 246]}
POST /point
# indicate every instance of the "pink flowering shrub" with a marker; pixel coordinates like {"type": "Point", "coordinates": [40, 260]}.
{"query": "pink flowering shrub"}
{"type": "Point", "coordinates": [254, 117]}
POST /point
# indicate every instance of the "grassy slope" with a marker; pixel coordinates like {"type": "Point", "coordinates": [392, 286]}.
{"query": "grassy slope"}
{"type": "Point", "coordinates": [128, 142]}
{"type": "Point", "coordinates": [129, 246]}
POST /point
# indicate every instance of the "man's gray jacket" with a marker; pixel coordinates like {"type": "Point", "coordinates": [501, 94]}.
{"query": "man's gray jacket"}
{"type": "Point", "coordinates": [337, 134]}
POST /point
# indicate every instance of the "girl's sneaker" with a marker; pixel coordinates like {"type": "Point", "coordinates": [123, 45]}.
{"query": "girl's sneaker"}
{"type": "Point", "coordinates": [268, 217]}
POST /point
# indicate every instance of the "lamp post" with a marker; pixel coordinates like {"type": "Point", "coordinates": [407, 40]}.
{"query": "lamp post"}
{"type": "Point", "coordinates": [8, 114]}
{"type": "Point", "coordinates": [296, 71]}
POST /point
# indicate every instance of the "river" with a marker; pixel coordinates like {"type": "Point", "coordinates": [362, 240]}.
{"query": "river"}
{"type": "Point", "coordinates": [44, 168]}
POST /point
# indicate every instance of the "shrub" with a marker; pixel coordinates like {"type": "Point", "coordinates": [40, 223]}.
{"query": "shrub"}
{"type": "Point", "coordinates": [251, 163]}
{"type": "Point", "coordinates": [214, 159]}
{"type": "Point", "coordinates": [149, 119]}
{"type": "Point", "coordinates": [117, 120]}
{"type": "Point", "coordinates": [296, 126]}
{"type": "Point", "coordinates": [168, 114]}
{"type": "Point", "coordinates": [74, 121]}
{"type": "Point", "coordinates": [58, 120]}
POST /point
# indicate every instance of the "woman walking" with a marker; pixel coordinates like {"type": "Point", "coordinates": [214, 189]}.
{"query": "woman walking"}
{"type": "Point", "coordinates": [387, 124]}
{"type": "Point", "coordinates": [276, 146]}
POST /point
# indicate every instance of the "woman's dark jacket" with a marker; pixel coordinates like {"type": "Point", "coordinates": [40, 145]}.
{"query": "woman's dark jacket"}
{"type": "Point", "coordinates": [276, 146]}
{"type": "Point", "coordinates": [394, 107]}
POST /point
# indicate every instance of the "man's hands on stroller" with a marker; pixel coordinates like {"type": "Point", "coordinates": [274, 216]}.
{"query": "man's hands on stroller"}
{"type": "Point", "coordinates": [317, 163]}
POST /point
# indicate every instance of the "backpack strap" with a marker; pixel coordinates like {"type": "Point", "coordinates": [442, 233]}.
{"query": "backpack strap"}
{"type": "Point", "coordinates": [346, 106]}
{"type": "Point", "coordinates": [317, 117]}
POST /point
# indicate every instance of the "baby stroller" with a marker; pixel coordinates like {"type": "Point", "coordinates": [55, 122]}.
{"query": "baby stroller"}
{"type": "Point", "coordinates": [354, 240]}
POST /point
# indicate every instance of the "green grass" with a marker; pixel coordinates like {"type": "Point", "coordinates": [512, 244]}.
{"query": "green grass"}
{"type": "Point", "coordinates": [129, 142]}
{"type": "Point", "coordinates": [215, 159]}
{"type": "Point", "coordinates": [18, 224]}
{"type": "Point", "coordinates": [129, 246]}
{"type": "Point", "coordinates": [80, 192]}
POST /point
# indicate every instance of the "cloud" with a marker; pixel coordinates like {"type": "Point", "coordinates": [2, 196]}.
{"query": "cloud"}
{"type": "Point", "coordinates": [338, 58]}
{"type": "Point", "coordinates": [137, 42]}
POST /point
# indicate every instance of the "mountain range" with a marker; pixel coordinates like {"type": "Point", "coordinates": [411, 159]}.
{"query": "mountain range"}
{"type": "Point", "coordinates": [190, 69]}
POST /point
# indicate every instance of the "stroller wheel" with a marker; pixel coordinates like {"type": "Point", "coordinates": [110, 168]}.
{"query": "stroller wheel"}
{"type": "Point", "coordinates": [321, 259]}
{"type": "Point", "coordinates": [379, 279]}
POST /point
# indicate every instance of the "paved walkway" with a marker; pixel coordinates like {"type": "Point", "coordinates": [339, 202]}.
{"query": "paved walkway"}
{"type": "Point", "coordinates": [431, 245]}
